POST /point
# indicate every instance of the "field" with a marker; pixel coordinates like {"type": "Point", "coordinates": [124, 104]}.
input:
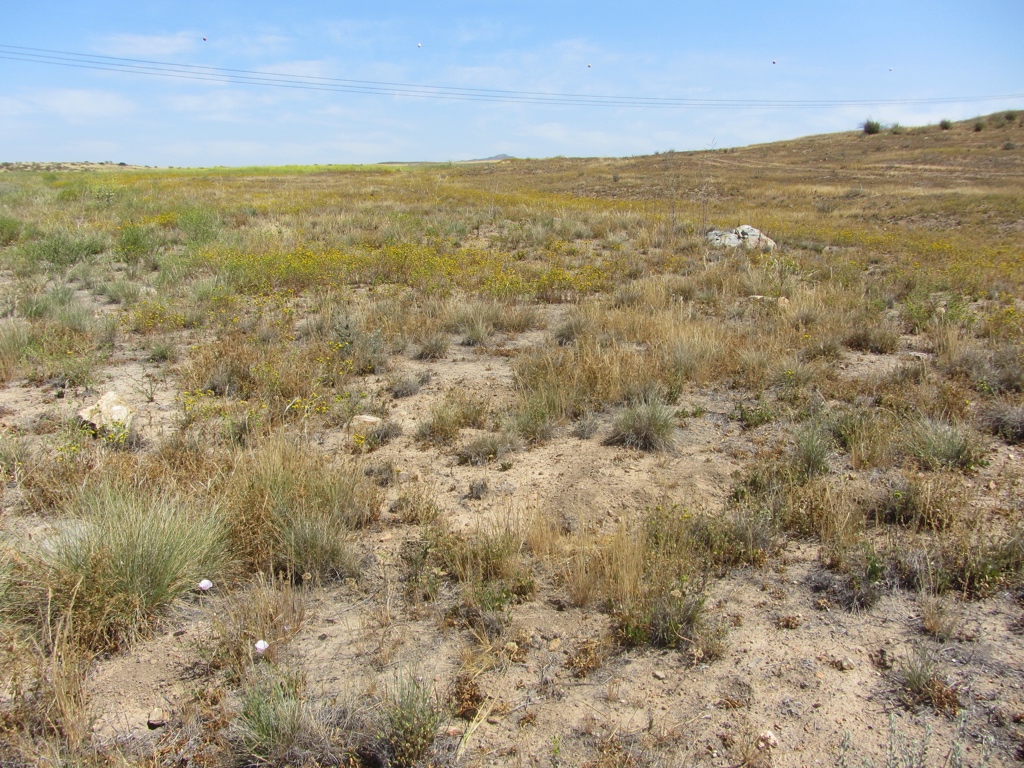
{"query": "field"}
{"type": "Point", "coordinates": [501, 464]}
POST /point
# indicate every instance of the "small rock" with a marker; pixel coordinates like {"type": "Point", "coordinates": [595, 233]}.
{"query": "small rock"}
{"type": "Point", "coordinates": [493, 720]}
{"type": "Point", "coordinates": [453, 731]}
{"type": "Point", "coordinates": [111, 410]}
{"type": "Point", "coordinates": [555, 644]}
{"type": "Point", "coordinates": [659, 675]}
{"type": "Point", "coordinates": [767, 740]}
{"type": "Point", "coordinates": [363, 422]}
{"type": "Point", "coordinates": [156, 719]}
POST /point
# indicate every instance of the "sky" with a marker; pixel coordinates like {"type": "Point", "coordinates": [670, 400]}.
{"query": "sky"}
{"type": "Point", "coordinates": [740, 50]}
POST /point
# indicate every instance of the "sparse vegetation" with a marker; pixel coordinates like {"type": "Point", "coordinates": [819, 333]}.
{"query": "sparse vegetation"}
{"type": "Point", "coordinates": [781, 437]}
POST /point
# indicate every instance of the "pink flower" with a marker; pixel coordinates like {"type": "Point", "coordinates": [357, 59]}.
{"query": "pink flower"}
{"type": "Point", "coordinates": [206, 585]}
{"type": "Point", "coordinates": [261, 646]}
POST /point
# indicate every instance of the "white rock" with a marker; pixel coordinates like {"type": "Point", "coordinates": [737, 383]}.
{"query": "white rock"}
{"type": "Point", "coordinates": [111, 410]}
{"type": "Point", "coordinates": [747, 236]}
{"type": "Point", "coordinates": [363, 422]}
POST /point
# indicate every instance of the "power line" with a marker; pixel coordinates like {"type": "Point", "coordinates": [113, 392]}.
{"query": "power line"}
{"type": "Point", "coordinates": [202, 73]}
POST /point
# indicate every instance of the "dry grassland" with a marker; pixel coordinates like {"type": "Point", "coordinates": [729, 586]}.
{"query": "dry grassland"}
{"type": "Point", "coordinates": [500, 464]}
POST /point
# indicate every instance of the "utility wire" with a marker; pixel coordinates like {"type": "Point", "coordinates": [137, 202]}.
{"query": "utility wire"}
{"type": "Point", "coordinates": [202, 73]}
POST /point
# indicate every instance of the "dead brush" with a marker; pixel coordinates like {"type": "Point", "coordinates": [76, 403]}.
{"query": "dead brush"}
{"type": "Point", "coordinates": [271, 609]}
{"type": "Point", "coordinates": [922, 681]}
{"type": "Point", "coordinates": [46, 707]}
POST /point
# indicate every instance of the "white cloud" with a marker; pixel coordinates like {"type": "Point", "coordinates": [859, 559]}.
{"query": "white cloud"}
{"type": "Point", "coordinates": [149, 46]}
{"type": "Point", "coordinates": [14, 107]}
{"type": "Point", "coordinates": [82, 105]}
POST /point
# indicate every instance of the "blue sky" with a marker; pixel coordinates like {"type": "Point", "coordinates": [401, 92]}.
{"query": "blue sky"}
{"type": "Point", "coordinates": [829, 50]}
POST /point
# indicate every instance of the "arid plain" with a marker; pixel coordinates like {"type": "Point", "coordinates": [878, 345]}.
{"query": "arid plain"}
{"type": "Point", "coordinates": [502, 464]}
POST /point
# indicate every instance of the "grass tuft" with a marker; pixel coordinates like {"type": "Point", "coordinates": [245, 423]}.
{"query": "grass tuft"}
{"type": "Point", "coordinates": [120, 559]}
{"type": "Point", "coordinates": [649, 425]}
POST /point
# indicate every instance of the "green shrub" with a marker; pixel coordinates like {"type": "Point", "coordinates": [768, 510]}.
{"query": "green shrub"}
{"type": "Point", "coordinates": [871, 127]}
{"type": "Point", "coordinates": [10, 230]}
{"type": "Point", "coordinates": [133, 242]}
{"type": "Point", "coordinates": [979, 126]}
{"type": "Point", "coordinates": [409, 718]}
{"type": "Point", "coordinates": [61, 248]}
{"type": "Point", "coordinates": [945, 124]}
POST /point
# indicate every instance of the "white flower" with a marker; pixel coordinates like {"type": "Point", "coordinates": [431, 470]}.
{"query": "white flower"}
{"type": "Point", "coordinates": [206, 585]}
{"type": "Point", "coordinates": [261, 646]}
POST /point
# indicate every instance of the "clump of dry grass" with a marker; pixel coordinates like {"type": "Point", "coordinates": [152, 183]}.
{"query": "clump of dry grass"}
{"type": "Point", "coordinates": [456, 411]}
{"type": "Point", "coordinates": [291, 509]}
{"type": "Point", "coordinates": [269, 609]}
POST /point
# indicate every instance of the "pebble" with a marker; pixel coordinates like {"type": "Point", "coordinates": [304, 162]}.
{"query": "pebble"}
{"type": "Point", "coordinates": [659, 675]}
{"type": "Point", "coordinates": [156, 719]}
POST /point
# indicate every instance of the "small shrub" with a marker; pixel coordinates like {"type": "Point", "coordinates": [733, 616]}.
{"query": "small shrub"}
{"type": "Point", "coordinates": [755, 415]}
{"type": "Point", "coordinates": [279, 726]}
{"type": "Point", "coordinates": [270, 609]}
{"type": "Point", "coordinates": [380, 435]}
{"type": "Point", "coordinates": [10, 230]}
{"type": "Point", "coordinates": [486, 449]}
{"type": "Point", "coordinates": [126, 557]}
{"type": "Point", "coordinates": [535, 420]}
{"type": "Point", "coordinates": [409, 718]}
{"type": "Point", "coordinates": [404, 385]}
{"type": "Point", "coordinates": [62, 248]}
{"type": "Point", "coordinates": [573, 328]}
{"type": "Point", "coordinates": [871, 127]}
{"type": "Point", "coordinates": [456, 411]}
{"type": "Point", "coordinates": [199, 225]}
{"type": "Point", "coordinates": [1005, 421]}
{"type": "Point", "coordinates": [810, 452]}
{"type": "Point", "coordinates": [939, 618]}
{"type": "Point", "coordinates": [478, 489]}
{"type": "Point", "coordinates": [979, 126]}
{"type": "Point", "coordinates": [476, 332]}
{"type": "Point", "coordinates": [291, 510]}
{"type": "Point", "coordinates": [945, 124]}
{"type": "Point", "coordinates": [433, 346]}
{"type": "Point", "coordinates": [879, 338]}
{"type": "Point", "coordinates": [586, 426]}
{"type": "Point", "coordinates": [940, 445]}
{"type": "Point", "coordinates": [646, 426]}
{"type": "Point", "coordinates": [133, 242]}
{"type": "Point", "coordinates": [163, 351]}
{"type": "Point", "coordinates": [922, 682]}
